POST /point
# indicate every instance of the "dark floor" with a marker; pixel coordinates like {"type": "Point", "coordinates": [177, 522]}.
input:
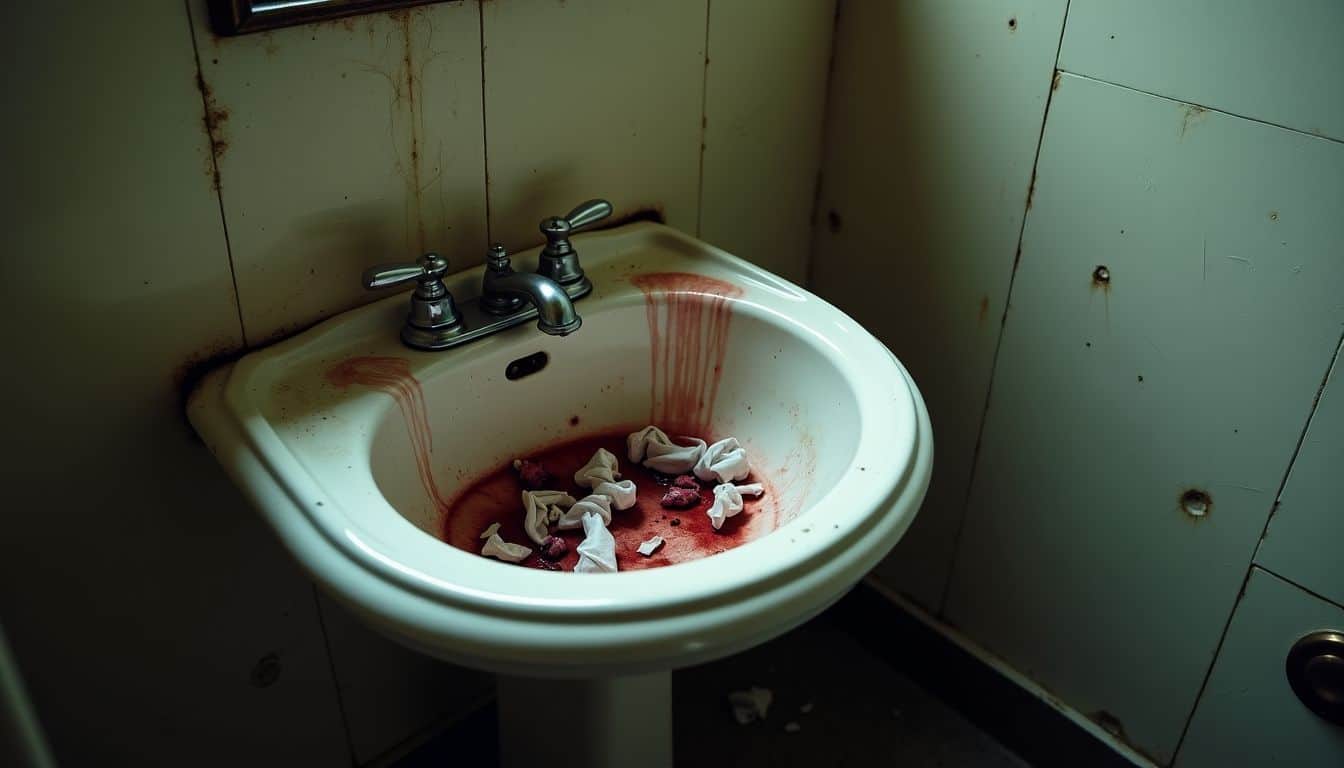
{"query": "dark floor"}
{"type": "Point", "coordinates": [861, 712]}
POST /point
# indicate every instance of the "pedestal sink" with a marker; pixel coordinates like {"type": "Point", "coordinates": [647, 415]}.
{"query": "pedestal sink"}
{"type": "Point", "coordinates": [355, 475]}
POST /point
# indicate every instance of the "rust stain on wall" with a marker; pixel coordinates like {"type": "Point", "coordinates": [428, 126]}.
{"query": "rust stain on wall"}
{"type": "Point", "coordinates": [1054, 83]}
{"type": "Point", "coordinates": [984, 310]}
{"type": "Point", "coordinates": [1191, 117]}
{"type": "Point", "coordinates": [1031, 188]}
{"type": "Point", "coordinates": [413, 104]}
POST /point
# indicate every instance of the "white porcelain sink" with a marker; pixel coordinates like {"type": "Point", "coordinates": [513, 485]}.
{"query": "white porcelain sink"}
{"type": "Point", "coordinates": [827, 414]}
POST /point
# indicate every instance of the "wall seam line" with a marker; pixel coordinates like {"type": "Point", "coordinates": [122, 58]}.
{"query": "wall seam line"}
{"type": "Point", "coordinates": [1293, 583]}
{"type": "Point", "coordinates": [335, 680]}
{"type": "Point", "coordinates": [704, 122]}
{"type": "Point", "coordinates": [1206, 107]}
{"type": "Point", "coordinates": [819, 178]}
{"type": "Point", "coordinates": [1003, 323]}
{"type": "Point", "coordinates": [214, 167]}
{"type": "Point", "coordinates": [1297, 449]}
{"type": "Point", "coordinates": [485, 135]}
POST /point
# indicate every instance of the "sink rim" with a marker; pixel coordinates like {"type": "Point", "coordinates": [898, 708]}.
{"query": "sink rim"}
{"type": "Point", "coordinates": [253, 452]}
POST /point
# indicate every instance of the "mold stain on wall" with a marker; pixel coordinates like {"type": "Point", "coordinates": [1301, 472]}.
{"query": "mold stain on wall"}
{"type": "Point", "coordinates": [214, 116]}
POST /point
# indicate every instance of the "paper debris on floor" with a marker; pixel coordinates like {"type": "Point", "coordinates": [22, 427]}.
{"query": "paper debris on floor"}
{"type": "Point", "coordinates": [491, 531]}
{"type": "Point", "coordinates": [647, 548]}
{"type": "Point", "coordinates": [805, 708]}
{"type": "Point", "coordinates": [792, 727]}
{"type": "Point", "coordinates": [751, 705]}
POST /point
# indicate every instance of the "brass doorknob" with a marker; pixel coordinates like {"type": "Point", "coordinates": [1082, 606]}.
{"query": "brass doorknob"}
{"type": "Point", "coordinates": [1315, 670]}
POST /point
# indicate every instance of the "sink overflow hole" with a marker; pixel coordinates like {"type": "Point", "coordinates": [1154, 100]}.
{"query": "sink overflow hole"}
{"type": "Point", "coordinates": [526, 366]}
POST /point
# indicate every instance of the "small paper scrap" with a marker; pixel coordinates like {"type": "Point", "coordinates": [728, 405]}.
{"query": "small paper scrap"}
{"type": "Point", "coordinates": [491, 531]}
{"type": "Point", "coordinates": [792, 727]}
{"type": "Point", "coordinates": [649, 547]}
{"type": "Point", "coordinates": [750, 705]}
{"type": "Point", "coordinates": [806, 708]}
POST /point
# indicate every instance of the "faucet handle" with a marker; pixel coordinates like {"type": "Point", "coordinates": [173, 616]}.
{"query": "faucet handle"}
{"type": "Point", "coordinates": [557, 229]}
{"type": "Point", "coordinates": [428, 269]}
{"type": "Point", "coordinates": [433, 320]}
{"type": "Point", "coordinates": [559, 261]}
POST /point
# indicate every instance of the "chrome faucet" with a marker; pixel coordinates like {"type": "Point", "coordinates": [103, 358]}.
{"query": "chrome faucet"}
{"type": "Point", "coordinates": [505, 292]}
{"type": "Point", "coordinates": [508, 298]}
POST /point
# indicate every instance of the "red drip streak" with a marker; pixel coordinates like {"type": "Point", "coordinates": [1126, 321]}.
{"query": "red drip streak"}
{"type": "Point", "coordinates": [496, 497]}
{"type": "Point", "coordinates": [689, 318]}
{"type": "Point", "coordinates": [393, 376]}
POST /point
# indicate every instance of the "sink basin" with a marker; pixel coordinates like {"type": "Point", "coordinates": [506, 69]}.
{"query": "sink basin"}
{"type": "Point", "coordinates": [353, 446]}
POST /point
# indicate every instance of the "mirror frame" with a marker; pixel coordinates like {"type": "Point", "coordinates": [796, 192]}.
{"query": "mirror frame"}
{"type": "Point", "coordinates": [237, 17]}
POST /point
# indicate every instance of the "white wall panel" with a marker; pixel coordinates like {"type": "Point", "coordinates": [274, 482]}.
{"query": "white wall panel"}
{"type": "Point", "coordinates": [1195, 367]}
{"type": "Point", "coordinates": [138, 591]}
{"type": "Point", "coordinates": [765, 95]}
{"type": "Point", "coordinates": [1280, 62]}
{"type": "Point", "coordinates": [1248, 714]}
{"type": "Point", "coordinates": [341, 145]}
{"type": "Point", "coordinates": [935, 110]}
{"type": "Point", "coordinates": [591, 99]}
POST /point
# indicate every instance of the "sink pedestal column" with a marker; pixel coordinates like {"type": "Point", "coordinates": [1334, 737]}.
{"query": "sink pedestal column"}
{"type": "Point", "coordinates": [597, 723]}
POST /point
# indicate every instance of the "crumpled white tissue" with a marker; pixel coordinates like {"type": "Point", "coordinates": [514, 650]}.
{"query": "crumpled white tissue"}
{"type": "Point", "coordinates": [647, 548]}
{"type": "Point", "coordinates": [499, 548]}
{"type": "Point", "coordinates": [490, 530]}
{"type": "Point", "coordinates": [597, 553]}
{"type": "Point", "coordinates": [652, 447]}
{"type": "Point", "coordinates": [724, 462]}
{"type": "Point", "coordinates": [728, 501]}
{"type": "Point", "coordinates": [594, 504]}
{"type": "Point", "coordinates": [543, 508]}
{"type": "Point", "coordinates": [751, 705]}
{"type": "Point", "coordinates": [602, 474]}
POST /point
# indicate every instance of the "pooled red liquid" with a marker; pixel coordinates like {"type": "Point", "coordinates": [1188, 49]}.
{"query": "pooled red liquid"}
{"type": "Point", "coordinates": [497, 498]}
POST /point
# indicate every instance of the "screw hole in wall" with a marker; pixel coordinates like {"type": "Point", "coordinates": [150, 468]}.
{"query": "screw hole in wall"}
{"type": "Point", "coordinates": [1196, 503]}
{"type": "Point", "coordinates": [526, 366]}
{"type": "Point", "coordinates": [266, 671]}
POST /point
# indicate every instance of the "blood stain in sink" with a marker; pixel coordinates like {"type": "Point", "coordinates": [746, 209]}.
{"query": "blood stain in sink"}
{"type": "Point", "coordinates": [393, 376]}
{"type": "Point", "coordinates": [497, 497]}
{"type": "Point", "coordinates": [689, 317]}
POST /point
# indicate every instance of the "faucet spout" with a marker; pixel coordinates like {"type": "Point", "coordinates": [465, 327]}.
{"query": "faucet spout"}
{"type": "Point", "coordinates": [555, 311]}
